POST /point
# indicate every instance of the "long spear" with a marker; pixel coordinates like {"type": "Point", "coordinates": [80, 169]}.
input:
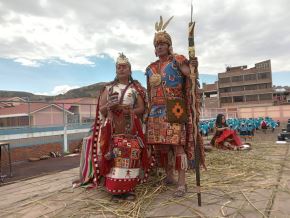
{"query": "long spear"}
{"type": "Point", "coordinates": [194, 105]}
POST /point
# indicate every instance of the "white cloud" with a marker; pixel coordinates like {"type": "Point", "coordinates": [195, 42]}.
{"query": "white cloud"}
{"type": "Point", "coordinates": [41, 93]}
{"type": "Point", "coordinates": [43, 3]}
{"type": "Point", "coordinates": [227, 32]}
{"type": "Point", "coordinates": [78, 60]}
{"type": "Point", "coordinates": [57, 90]}
{"type": "Point", "coordinates": [26, 62]}
{"type": "Point", "coordinates": [62, 89]}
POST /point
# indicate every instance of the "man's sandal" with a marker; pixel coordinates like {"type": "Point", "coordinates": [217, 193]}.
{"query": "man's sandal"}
{"type": "Point", "coordinates": [180, 191]}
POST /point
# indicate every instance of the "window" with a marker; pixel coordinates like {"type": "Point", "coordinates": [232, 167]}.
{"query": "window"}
{"type": "Point", "coordinates": [251, 97]}
{"type": "Point", "coordinates": [238, 98]}
{"type": "Point", "coordinates": [237, 78]}
{"type": "Point", "coordinates": [225, 80]}
{"type": "Point", "coordinates": [267, 96]}
{"type": "Point", "coordinates": [251, 87]}
{"type": "Point", "coordinates": [265, 86]}
{"type": "Point", "coordinates": [227, 89]}
{"type": "Point", "coordinates": [265, 75]}
{"type": "Point", "coordinates": [250, 77]}
{"type": "Point", "coordinates": [263, 65]}
{"type": "Point", "coordinates": [237, 88]}
{"type": "Point", "coordinates": [226, 99]}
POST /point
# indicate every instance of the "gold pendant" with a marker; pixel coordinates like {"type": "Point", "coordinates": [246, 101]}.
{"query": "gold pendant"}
{"type": "Point", "coordinates": [155, 79]}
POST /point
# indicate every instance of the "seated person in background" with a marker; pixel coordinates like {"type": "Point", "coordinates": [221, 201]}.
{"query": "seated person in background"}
{"type": "Point", "coordinates": [264, 126]}
{"type": "Point", "coordinates": [273, 125]}
{"type": "Point", "coordinates": [204, 129]}
{"type": "Point", "coordinates": [243, 129]}
{"type": "Point", "coordinates": [225, 138]}
{"type": "Point", "coordinates": [251, 130]}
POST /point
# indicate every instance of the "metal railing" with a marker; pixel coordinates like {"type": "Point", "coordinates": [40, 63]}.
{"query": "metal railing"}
{"type": "Point", "coordinates": [22, 120]}
{"type": "Point", "coordinates": [15, 114]}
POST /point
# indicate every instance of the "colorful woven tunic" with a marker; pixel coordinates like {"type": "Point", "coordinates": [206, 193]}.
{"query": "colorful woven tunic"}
{"type": "Point", "coordinates": [169, 86]}
{"type": "Point", "coordinates": [170, 117]}
{"type": "Point", "coordinates": [118, 149]}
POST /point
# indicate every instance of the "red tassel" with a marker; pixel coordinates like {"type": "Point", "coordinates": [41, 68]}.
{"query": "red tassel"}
{"type": "Point", "coordinates": [163, 159]}
{"type": "Point", "coordinates": [178, 162]}
{"type": "Point", "coordinates": [106, 166]}
{"type": "Point", "coordinates": [104, 138]}
{"type": "Point", "coordinates": [139, 129]}
{"type": "Point", "coordinates": [144, 158]}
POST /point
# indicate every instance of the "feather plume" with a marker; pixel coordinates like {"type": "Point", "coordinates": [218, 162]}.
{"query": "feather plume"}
{"type": "Point", "coordinates": [156, 26]}
{"type": "Point", "coordinates": [166, 23]}
{"type": "Point", "coordinates": [160, 23]}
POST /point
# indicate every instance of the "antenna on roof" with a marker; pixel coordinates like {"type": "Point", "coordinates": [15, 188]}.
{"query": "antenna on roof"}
{"type": "Point", "coordinates": [227, 66]}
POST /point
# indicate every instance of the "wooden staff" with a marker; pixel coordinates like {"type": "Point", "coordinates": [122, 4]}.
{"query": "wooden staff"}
{"type": "Point", "coordinates": [194, 105]}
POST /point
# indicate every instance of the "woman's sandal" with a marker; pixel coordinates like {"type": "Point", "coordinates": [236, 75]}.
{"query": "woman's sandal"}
{"type": "Point", "coordinates": [180, 191]}
{"type": "Point", "coordinates": [130, 196]}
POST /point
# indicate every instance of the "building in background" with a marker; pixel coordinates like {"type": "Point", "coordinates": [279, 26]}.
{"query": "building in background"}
{"type": "Point", "coordinates": [209, 95]}
{"type": "Point", "coordinates": [281, 95]}
{"type": "Point", "coordinates": [240, 86]}
{"type": "Point", "coordinates": [11, 101]}
{"type": "Point", "coordinates": [36, 114]}
{"type": "Point", "coordinates": [33, 114]}
{"type": "Point", "coordinates": [84, 109]}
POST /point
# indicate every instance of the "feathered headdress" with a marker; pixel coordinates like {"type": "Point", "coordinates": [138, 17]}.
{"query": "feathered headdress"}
{"type": "Point", "coordinates": [161, 35]}
{"type": "Point", "coordinates": [122, 59]}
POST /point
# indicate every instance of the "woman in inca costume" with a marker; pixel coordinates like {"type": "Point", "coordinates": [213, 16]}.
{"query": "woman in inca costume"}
{"type": "Point", "coordinates": [170, 125]}
{"type": "Point", "coordinates": [118, 150]}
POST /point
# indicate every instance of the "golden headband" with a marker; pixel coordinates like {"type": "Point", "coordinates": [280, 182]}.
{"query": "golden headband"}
{"type": "Point", "coordinates": [122, 59]}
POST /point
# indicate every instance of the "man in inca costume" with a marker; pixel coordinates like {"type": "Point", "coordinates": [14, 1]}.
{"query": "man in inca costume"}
{"type": "Point", "coordinates": [169, 125]}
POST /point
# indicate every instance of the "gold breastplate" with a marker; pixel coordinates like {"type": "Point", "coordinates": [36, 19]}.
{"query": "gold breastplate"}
{"type": "Point", "coordinates": [155, 79]}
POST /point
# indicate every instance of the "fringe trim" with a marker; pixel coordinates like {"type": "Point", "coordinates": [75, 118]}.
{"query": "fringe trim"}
{"type": "Point", "coordinates": [181, 162]}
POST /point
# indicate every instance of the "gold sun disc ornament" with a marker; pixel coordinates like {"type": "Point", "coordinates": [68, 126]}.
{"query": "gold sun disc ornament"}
{"type": "Point", "coordinates": [155, 79]}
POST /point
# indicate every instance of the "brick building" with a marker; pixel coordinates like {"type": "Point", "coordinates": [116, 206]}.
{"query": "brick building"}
{"type": "Point", "coordinates": [209, 95]}
{"type": "Point", "coordinates": [84, 109]}
{"type": "Point", "coordinates": [240, 86]}
{"type": "Point", "coordinates": [34, 114]}
{"type": "Point", "coordinates": [10, 101]}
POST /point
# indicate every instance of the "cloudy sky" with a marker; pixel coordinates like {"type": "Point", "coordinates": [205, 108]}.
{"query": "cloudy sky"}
{"type": "Point", "coordinates": [48, 46]}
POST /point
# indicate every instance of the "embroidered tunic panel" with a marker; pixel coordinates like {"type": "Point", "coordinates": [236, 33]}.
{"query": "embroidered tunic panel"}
{"type": "Point", "coordinates": [170, 86]}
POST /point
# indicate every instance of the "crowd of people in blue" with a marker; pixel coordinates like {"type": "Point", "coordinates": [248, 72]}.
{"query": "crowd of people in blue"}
{"type": "Point", "coordinates": [244, 126]}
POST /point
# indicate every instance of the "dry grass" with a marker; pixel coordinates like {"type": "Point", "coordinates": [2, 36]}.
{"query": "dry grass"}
{"type": "Point", "coordinates": [230, 175]}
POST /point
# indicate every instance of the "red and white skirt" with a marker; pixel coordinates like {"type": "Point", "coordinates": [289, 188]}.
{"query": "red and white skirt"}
{"type": "Point", "coordinates": [125, 172]}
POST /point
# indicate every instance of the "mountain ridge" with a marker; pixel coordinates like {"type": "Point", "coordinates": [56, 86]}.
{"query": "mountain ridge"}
{"type": "Point", "coordinates": [92, 91]}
